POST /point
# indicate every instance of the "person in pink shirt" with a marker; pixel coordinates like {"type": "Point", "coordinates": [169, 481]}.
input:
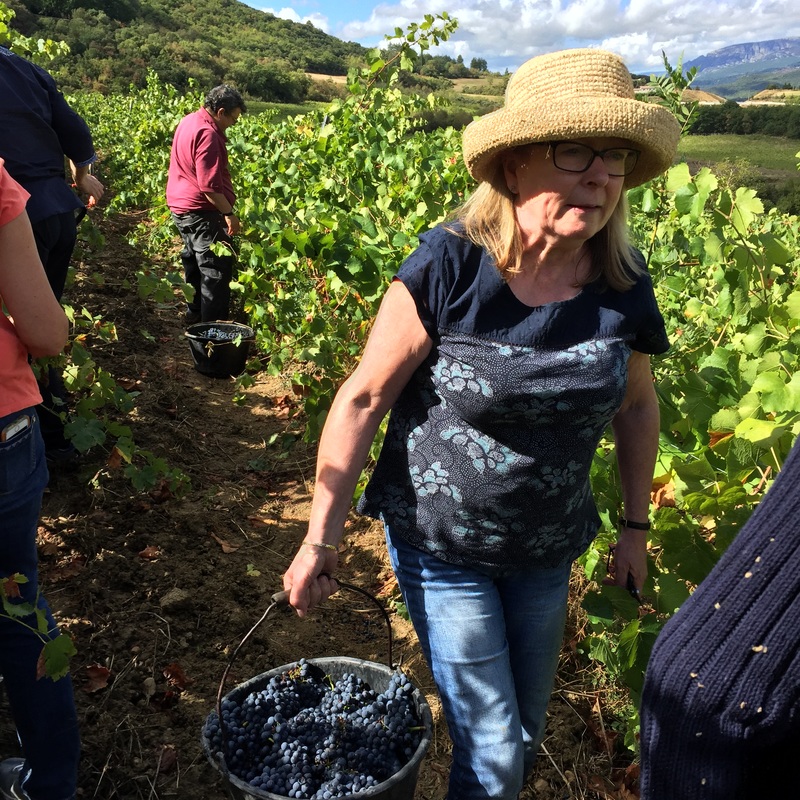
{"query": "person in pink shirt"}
{"type": "Point", "coordinates": [201, 198]}
{"type": "Point", "coordinates": [33, 323]}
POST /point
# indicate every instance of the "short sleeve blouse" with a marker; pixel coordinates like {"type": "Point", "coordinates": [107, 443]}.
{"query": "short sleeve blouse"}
{"type": "Point", "coordinates": [488, 449]}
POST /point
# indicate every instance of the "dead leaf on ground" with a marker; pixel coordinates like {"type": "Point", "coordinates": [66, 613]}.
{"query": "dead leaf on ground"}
{"type": "Point", "coordinates": [98, 677]}
{"type": "Point", "coordinates": [260, 520]}
{"type": "Point", "coordinates": [48, 548]}
{"type": "Point", "coordinates": [176, 676]}
{"type": "Point", "coordinates": [626, 782]}
{"type": "Point", "coordinates": [67, 569]}
{"type": "Point", "coordinates": [227, 547]}
{"type": "Point", "coordinates": [167, 758]}
{"type": "Point", "coordinates": [602, 787]}
{"type": "Point", "coordinates": [151, 552]}
{"type": "Point", "coordinates": [162, 492]}
{"type": "Point", "coordinates": [387, 586]}
{"type": "Point", "coordinates": [115, 459]}
{"type": "Point", "coordinates": [284, 406]}
{"type": "Point", "coordinates": [11, 587]}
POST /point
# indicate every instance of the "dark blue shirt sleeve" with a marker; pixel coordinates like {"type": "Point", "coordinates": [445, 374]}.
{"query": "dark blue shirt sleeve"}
{"type": "Point", "coordinates": [72, 132]}
{"type": "Point", "coordinates": [424, 284]}
{"type": "Point", "coordinates": [37, 130]}
{"type": "Point", "coordinates": [651, 333]}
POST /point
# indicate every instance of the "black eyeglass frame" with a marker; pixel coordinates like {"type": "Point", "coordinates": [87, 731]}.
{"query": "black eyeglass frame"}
{"type": "Point", "coordinates": [553, 145]}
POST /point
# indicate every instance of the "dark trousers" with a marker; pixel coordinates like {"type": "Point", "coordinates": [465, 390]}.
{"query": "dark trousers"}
{"type": "Point", "coordinates": [206, 272]}
{"type": "Point", "coordinates": [55, 238]}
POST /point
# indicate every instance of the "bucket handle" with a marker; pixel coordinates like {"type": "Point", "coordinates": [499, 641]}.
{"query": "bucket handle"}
{"type": "Point", "coordinates": [281, 600]}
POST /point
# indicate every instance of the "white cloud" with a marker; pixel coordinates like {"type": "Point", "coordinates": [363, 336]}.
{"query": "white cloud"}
{"type": "Point", "coordinates": [507, 32]}
{"type": "Point", "coordinates": [317, 20]}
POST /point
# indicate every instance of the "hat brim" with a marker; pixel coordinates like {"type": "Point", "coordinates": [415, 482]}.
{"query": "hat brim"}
{"type": "Point", "coordinates": [651, 128]}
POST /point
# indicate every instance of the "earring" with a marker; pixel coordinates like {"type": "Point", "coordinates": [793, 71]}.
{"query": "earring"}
{"type": "Point", "coordinates": [513, 189]}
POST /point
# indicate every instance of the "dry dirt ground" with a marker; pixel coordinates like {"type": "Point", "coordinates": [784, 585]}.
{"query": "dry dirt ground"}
{"type": "Point", "coordinates": [157, 590]}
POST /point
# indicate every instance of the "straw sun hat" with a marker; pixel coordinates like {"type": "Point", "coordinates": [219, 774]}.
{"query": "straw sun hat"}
{"type": "Point", "coordinates": [573, 94]}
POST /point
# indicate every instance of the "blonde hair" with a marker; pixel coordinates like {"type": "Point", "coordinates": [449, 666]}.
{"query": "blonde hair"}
{"type": "Point", "coordinates": [488, 219]}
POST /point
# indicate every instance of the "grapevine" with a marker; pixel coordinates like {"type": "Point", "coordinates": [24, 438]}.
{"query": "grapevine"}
{"type": "Point", "coordinates": [333, 201]}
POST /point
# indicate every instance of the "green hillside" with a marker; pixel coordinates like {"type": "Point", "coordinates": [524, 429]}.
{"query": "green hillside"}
{"type": "Point", "coordinates": [738, 83]}
{"type": "Point", "coordinates": [114, 43]}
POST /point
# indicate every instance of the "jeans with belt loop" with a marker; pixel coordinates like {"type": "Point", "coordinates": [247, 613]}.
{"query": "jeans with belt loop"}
{"type": "Point", "coordinates": [44, 709]}
{"type": "Point", "coordinates": [492, 642]}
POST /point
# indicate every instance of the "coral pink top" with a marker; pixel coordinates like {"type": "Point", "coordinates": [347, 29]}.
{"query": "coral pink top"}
{"type": "Point", "coordinates": [18, 387]}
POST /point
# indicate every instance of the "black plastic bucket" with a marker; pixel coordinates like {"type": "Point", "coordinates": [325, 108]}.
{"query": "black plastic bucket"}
{"type": "Point", "coordinates": [400, 786]}
{"type": "Point", "coordinates": [220, 349]}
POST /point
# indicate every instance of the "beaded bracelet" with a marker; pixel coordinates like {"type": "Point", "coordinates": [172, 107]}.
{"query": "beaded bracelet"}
{"type": "Point", "coordinates": [322, 545]}
{"type": "Point", "coordinates": [637, 526]}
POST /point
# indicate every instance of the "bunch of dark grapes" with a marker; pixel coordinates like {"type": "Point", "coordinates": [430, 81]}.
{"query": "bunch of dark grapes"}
{"type": "Point", "coordinates": [306, 735]}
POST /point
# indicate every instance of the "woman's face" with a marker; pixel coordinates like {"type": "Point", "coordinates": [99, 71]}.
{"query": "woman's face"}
{"type": "Point", "coordinates": [559, 207]}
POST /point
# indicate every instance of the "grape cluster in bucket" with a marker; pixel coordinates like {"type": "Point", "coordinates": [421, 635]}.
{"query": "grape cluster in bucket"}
{"type": "Point", "coordinates": [222, 334]}
{"type": "Point", "coordinates": [309, 735]}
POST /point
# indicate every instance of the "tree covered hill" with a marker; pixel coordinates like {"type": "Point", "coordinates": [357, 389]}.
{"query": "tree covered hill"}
{"type": "Point", "coordinates": [114, 43]}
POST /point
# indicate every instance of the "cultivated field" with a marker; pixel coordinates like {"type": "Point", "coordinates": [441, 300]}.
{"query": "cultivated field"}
{"type": "Point", "coordinates": [766, 153]}
{"type": "Point", "coordinates": [777, 96]}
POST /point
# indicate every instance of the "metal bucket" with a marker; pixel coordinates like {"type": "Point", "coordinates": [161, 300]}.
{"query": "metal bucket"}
{"type": "Point", "coordinates": [399, 786]}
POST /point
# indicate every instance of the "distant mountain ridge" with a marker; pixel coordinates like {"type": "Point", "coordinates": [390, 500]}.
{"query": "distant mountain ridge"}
{"type": "Point", "coordinates": [741, 70]}
{"type": "Point", "coordinates": [749, 53]}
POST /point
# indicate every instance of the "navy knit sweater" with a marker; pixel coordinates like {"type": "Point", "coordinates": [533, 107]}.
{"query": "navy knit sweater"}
{"type": "Point", "coordinates": [721, 703]}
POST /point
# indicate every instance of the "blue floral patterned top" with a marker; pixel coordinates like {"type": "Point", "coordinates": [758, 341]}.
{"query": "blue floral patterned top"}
{"type": "Point", "coordinates": [487, 452]}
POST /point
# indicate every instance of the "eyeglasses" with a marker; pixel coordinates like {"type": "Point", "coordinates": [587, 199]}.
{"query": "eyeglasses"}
{"type": "Point", "coordinates": [577, 157]}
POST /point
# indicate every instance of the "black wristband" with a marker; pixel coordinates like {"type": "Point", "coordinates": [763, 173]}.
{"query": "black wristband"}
{"type": "Point", "coordinates": [637, 526]}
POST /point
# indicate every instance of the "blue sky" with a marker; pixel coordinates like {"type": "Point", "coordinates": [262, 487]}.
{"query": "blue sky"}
{"type": "Point", "coordinates": [508, 32]}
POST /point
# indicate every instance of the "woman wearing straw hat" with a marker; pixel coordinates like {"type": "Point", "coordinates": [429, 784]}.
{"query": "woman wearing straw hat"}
{"type": "Point", "coordinates": [508, 342]}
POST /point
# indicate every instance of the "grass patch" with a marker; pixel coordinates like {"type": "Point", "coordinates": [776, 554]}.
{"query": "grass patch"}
{"type": "Point", "coordinates": [768, 164]}
{"type": "Point", "coordinates": [762, 152]}
{"type": "Point", "coordinates": [284, 109]}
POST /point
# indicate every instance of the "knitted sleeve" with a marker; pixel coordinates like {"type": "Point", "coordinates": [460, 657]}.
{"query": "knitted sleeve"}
{"type": "Point", "coordinates": [722, 689]}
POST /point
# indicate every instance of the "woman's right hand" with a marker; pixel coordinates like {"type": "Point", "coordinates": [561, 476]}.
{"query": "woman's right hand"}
{"type": "Point", "coordinates": [308, 579]}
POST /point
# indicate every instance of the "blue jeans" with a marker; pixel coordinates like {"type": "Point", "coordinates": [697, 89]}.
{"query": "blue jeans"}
{"type": "Point", "coordinates": [43, 709]}
{"type": "Point", "coordinates": [492, 643]}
